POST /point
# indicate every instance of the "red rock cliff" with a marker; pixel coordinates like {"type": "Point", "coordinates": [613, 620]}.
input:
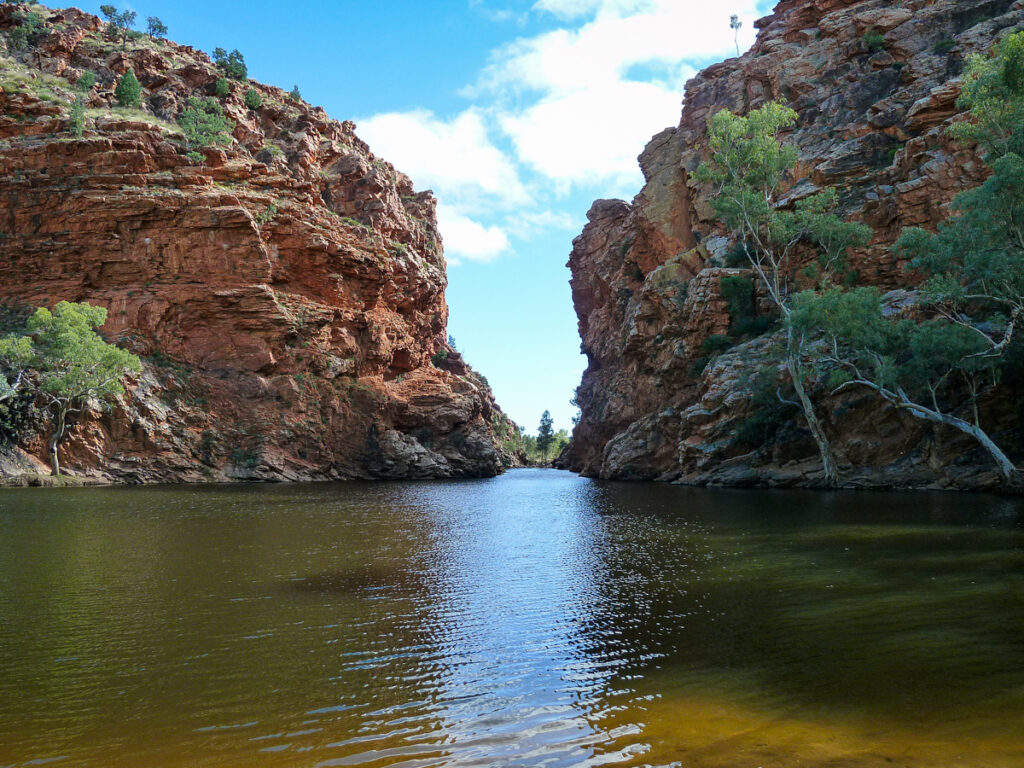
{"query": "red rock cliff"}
{"type": "Point", "coordinates": [286, 295]}
{"type": "Point", "coordinates": [646, 276]}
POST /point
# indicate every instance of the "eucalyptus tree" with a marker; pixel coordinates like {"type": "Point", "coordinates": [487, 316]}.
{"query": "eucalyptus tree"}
{"type": "Point", "coordinates": [751, 169]}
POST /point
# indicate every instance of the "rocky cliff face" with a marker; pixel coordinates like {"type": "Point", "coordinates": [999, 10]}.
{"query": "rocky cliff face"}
{"type": "Point", "coordinates": [647, 277]}
{"type": "Point", "coordinates": [286, 294]}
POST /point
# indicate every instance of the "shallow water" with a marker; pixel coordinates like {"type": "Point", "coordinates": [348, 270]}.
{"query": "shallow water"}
{"type": "Point", "coordinates": [533, 619]}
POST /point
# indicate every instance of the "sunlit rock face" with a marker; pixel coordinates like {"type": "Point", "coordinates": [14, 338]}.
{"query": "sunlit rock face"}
{"type": "Point", "coordinates": [647, 276]}
{"type": "Point", "coordinates": [286, 294]}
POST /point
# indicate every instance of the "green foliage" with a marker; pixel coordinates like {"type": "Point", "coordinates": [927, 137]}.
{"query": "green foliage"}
{"type": "Point", "coordinates": [267, 214]}
{"type": "Point", "coordinates": [740, 301]}
{"type": "Point", "coordinates": [993, 95]}
{"type": "Point", "coordinates": [873, 40]}
{"type": "Point", "coordinates": [28, 31]}
{"type": "Point", "coordinates": [222, 88]}
{"type": "Point", "coordinates": [545, 434]}
{"type": "Point", "coordinates": [78, 117]}
{"type": "Point", "coordinates": [770, 413]}
{"type": "Point", "coordinates": [85, 81]}
{"type": "Point", "coordinates": [204, 124]}
{"type": "Point", "coordinates": [817, 217]}
{"type": "Point", "coordinates": [930, 361]}
{"type": "Point", "coordinates": [128, 91]}
{"type": "Point", "coordinates": [231, 64]}
{"type": "Point", "coordinates": [295, 94]}
{"type": "Point", "coordinates": [944, 46]}
{"type": "Point", "coordinates": [119, 24]}
{"type": "Point", "coordinates": [439, 357]}
{"type": "Point", "coordinates": [67, 363]}
{"type": "Point", "coordinates": [155, 27]}
{"type": "Point", "coordinates": [750, 167]}
{"type": "Point", "coordinates": [253, 100]}
{"type": "Point", "coordinates": [716, 344]}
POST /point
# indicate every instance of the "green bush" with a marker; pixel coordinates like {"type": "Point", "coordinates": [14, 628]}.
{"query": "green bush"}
{"type": "Point", "coordinates": [231, 64]}
{"type": "Point", "coordinates": [717, 344]}
{"type": "Point", "coordinates": [128, 92]}
{"type": "Point", "coordinates": [204, 125]}
{"type": "Point", "coordinates": [944, 46]}
{"type": "Point", "coordinates": [28, 30]}
{"type": "Point", "coordinates": [78, 117]}
{"type": "Point", "coordinates": [223, 87]}
{"type": "Point", "coordinates": [253, 100]}
{"type": "Point", "coordinates": [85, 81]}
{"type": "Point", "coordinates": [873, 40]}
{"type": "Point", "coordinates": [296, 94]}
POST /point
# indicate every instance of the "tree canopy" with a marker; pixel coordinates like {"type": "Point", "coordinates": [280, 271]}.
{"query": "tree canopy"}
{"type": "Point", "coordinates": [750, 167]}
{"type": "Point", "coordinates": [65, 363]}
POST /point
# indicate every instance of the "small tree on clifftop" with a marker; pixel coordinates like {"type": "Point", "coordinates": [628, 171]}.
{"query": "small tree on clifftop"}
{"type": "Point", "coordinates": [155, 27]}
{"type": "Point", "coordinates": [119, 24]}
{"type": "Point", "coordinates": [231, 64]}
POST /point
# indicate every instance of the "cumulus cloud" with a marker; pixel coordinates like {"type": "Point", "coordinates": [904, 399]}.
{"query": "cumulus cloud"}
{"type": "Point", "coordinates": [456, 158]}
{"type": "Point", "coordinates": [596, 93]}
{"type": "Point", "coordinates": [467, 239]}
{"type": "Point", "coordinates": [566, 109]}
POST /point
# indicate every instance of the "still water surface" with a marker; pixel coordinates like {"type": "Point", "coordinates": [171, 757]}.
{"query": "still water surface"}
{"type": "Point", "coordinates": [533, 619]}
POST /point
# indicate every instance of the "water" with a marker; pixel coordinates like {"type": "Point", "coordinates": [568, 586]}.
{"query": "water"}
{"type": "Point", "coordinates": [533, 619]}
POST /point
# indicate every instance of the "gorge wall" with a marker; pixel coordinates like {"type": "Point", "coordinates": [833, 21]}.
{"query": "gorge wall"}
{"type": "Point", "coordinates": [647, 276]}
{"type": "Point", "coordinates": [286, 294]}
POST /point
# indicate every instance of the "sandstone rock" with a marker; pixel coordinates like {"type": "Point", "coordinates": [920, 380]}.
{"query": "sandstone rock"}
{"type": "Point", "coordinates": [871, 123]}
{"type": "Point", "coordinates": [287, 294]}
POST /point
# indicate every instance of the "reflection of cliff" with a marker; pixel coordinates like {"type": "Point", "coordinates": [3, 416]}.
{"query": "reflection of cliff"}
{"type": "Point", "coordinates": [287, 293]}
{"type": "Point", "coordinates": [648, 276]}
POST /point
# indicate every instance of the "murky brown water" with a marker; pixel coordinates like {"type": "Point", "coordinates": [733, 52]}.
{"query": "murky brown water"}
{"type": "Point", "coordinates": [534, 619]}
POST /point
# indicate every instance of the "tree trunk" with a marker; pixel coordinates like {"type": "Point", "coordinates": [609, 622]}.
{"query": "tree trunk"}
{"type": "Point", "coordinates": [828, 459]}
{"type": "Point", "coordinates": [1006, 467]}
{"type": "Point", "coordinates": [59, 421]}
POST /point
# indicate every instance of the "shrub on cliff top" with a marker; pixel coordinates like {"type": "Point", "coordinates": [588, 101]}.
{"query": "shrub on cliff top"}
{"type": "Point", "coordinates": [129, 91]}
{"type": "Point", "coordinates": [231, 64]}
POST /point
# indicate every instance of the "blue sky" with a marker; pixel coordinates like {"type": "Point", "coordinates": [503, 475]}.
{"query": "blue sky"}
{"type": "Point", "coordinates": [517, 113]}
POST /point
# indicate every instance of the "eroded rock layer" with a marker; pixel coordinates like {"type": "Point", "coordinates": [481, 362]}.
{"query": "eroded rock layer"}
{"type": "Point", "coordinates": [647, 276]}
{"type": "Point", "coordinates": [286, 294]}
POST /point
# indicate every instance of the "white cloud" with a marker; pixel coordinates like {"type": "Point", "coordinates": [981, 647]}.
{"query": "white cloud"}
{"type": "Point", "coordinates": [569, 108]}
{"type": "Point", "coordinates": [467, 239]}
{"type": "Point", "coordinates": [570, 9]}
{"type": "Point", "coordinates": [587, 137]}
{"type": "Point", "coordinates": [597, 93]}
{"type": "Point", "coordinates": [456, 158]}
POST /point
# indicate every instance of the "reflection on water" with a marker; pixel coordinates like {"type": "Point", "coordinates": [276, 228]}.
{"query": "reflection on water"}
{"type": "Point", "coordinates": [533, 619]}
